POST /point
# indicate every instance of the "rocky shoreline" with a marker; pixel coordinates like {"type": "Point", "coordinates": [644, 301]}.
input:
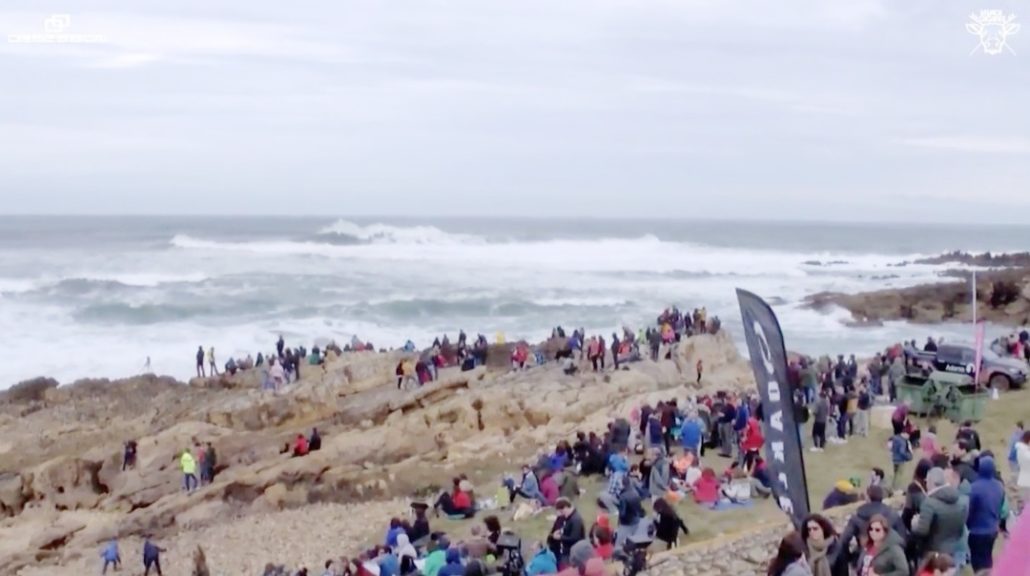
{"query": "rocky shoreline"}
{"type": "Point", "coordinates": [63, 492]}
{"type": "Point", "coordinates": [1003, 294]}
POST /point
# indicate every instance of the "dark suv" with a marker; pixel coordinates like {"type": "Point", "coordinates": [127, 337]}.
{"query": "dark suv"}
{"type": "Point", "coordinates": [998, 372]}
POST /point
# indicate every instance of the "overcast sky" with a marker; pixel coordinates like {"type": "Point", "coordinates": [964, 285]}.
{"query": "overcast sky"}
{"type": "Point", "coordinates": [796, 109]}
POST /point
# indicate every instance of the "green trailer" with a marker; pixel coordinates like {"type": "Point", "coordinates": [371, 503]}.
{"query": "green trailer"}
{"type": "Point", "coordinates": [944, 395]}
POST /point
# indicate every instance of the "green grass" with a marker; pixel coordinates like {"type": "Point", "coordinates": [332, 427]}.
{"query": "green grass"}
{"type": "Point", "coordinates": [857, 458]}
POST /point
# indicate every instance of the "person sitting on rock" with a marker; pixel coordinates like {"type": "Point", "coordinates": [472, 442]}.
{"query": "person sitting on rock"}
{"type": "Point", "coordinates": [300, 446]}
{"type": "Point", "coordinates": [455, 503]}
{"type": "Point", "coordinates": [111, 556]}
{"type": "Point", "coordinates": [528, 487]}
{"type": "Point", "coordinates": [437, 558]}
{"type": "Point", "coordinates": [418, 533]}
{"type": "Point", "coordinates": [315, 442]}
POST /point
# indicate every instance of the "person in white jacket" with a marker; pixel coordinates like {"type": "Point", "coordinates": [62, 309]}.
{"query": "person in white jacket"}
{"type": "Point", "coordinates": [1023, 458]}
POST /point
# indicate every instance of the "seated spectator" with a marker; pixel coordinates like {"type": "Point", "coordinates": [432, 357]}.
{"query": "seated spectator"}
{"type": "Point", "coordinates": [300, 446]}
{"type": "Point", "coordinates": [843, 493]}
{"type": "Point", "coordinates": [458, 502]}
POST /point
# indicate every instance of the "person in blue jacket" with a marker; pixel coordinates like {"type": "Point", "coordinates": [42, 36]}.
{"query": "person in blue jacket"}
{"type": "Point", "coordinates": [111, 556]}
{"type": "Point", "coordinates": [543, 562]}
{"type": "Point", "coordinates": [691, 434]}
{"type": "Point", "coordinates": [454, 567]}
{"type": "Point", "coordinates": [986, 497]}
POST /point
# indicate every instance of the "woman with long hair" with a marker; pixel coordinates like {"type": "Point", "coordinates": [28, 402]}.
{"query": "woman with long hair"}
{"type": "Point", "coordinates": [884, 554]}
{"type": "Point", "coordinates": [823, 548]}
{"type": "Point", "coordinates": [790, 558]}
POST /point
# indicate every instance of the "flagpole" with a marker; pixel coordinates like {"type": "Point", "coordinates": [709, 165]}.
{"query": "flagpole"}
{"type": "Point", "coordinates": [974, 297]}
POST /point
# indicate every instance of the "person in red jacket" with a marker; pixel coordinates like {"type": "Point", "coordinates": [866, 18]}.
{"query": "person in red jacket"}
{"type": "Point", "coordinates": [752, 442]}
{"type": "Point", "coordinates": [300, 446]}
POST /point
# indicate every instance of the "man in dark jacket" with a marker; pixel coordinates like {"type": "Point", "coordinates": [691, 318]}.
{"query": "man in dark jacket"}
{"type": "Point", "coordinates": [963, 460]}
{"type": "Point", "coordinates": [985, 500]}
{"type": "Point", "coordinates": [631, 512]}
{"type": "Point", "coordinates": [942, 517]}
{"type": "Point", "coordinates": [572, 529]}
{"type": "Point", "coordinates": [856, 527]}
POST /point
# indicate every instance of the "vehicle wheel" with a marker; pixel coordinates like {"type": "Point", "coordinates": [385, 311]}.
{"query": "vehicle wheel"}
{"type": "Point", "coordinates": [1000, 382]}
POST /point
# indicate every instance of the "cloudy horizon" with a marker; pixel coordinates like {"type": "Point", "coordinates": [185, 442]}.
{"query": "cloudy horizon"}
{"type": "Point", "coordinates": [807, 110]}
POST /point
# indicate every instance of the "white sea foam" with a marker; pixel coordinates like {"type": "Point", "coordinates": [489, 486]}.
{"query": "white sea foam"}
{"type": "Point", "coordinates": [387, 234]}
{"type": "Point", "coordinates": [392, 283]}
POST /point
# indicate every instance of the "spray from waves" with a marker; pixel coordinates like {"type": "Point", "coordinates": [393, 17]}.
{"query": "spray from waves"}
{"type": "Point", "coordinates": [386, 234]}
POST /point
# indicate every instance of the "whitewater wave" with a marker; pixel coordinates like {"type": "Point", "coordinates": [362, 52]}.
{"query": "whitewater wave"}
{"type": "Point", "coordinates": [386, 234]}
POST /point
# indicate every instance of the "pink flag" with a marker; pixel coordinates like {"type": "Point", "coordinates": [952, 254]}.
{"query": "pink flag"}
{"type": "Point", "coordinates": [1015, 555]}
{"type": "Point", "coordinates": [979, 344]}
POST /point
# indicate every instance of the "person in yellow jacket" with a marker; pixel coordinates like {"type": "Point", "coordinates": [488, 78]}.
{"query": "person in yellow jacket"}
{"type": "Point", "coordinates": [189, 470]}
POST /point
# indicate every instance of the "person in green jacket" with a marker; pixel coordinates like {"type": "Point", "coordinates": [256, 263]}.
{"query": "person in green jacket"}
{"type": "Point", "coordinates": [885, 553]}
{"type": "Point", "coordinates": [189, 470]}
{"type": "Point", "coordinates": [942, 515]}
{"type": "Point", "coordinates": [437, 559]}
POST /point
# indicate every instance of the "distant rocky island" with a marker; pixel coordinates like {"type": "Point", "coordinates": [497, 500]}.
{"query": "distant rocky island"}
{"type": "Point", "coordinates": [1003, 293]}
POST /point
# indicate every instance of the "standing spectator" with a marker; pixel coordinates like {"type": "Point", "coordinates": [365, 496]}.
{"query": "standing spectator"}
{"type": "Point", "coordinates": [1023, 465]}
{"type": "Point", "coordinates": [985, 503]}
{"type": "Point", "coordinates": [790, 558]}
{"type": "Point", "coordinates": [129, 457]}
{"type": "Point", "coordinates": [941, 520]}
{"type": "Point", "coordinates": [900, 454]}
{"type": "Point", "coordinates": [928, 443]}
{"type": "Point", "coordinates": [200, 362]}
{"type": "Point", "coordinates": [825, 552]}
{"type": "Point", "coordinates": [111, 556]}
{"type": "Point", "coordinates": [151, 556]}
{"type": "Point", "coordinates": [864, 404]}
{"type": "Point", "coordinates": [820, 417]}
{"type": "Point", "coordinates": [883, 555]}
{"type": "Point", "coordinates": [211, 362]}
{"type": "Point", "coordinates": [1014, 439]}
{"type": "Point", "coordinates": [189, 470]}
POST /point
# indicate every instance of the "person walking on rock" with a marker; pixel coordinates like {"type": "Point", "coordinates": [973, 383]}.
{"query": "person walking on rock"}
{"type": "Point", "coordinates": [151, 556]}
{"type": "Point", "coordinates": [189, 470]}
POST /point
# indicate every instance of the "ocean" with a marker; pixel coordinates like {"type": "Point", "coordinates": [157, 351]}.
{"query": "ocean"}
{"type": "Point", "coordinates": [95, 296]}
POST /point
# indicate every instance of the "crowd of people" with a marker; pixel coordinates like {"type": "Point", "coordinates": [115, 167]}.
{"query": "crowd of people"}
{"type": "Point", "coordinates": [955, 505]}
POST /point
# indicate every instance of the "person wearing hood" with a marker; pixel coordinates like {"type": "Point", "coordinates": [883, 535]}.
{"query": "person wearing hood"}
{"type": "Point", "coordinates": [856, 526]}
{"type": "Point", "coordinates": [825, 551]}
{"type": "Point", "coordinates": [986, 497]}
{"type": "Point", "coordinates": [543, 562]}
{"type": "Point", "coordinates": [942, 517]}
{"type": "Point", "coordinates": [658, 483]}
{"type": "Point", "coordinates": [884, 555]}
{"type": "Point", "coordinates": [404, 549]}
{"type": "Point", "coordinates": [437, 559]}
{"type": "Point", "coordinates": [583, 561]}
{"type": "Point", "coordinates": [453, 567]}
